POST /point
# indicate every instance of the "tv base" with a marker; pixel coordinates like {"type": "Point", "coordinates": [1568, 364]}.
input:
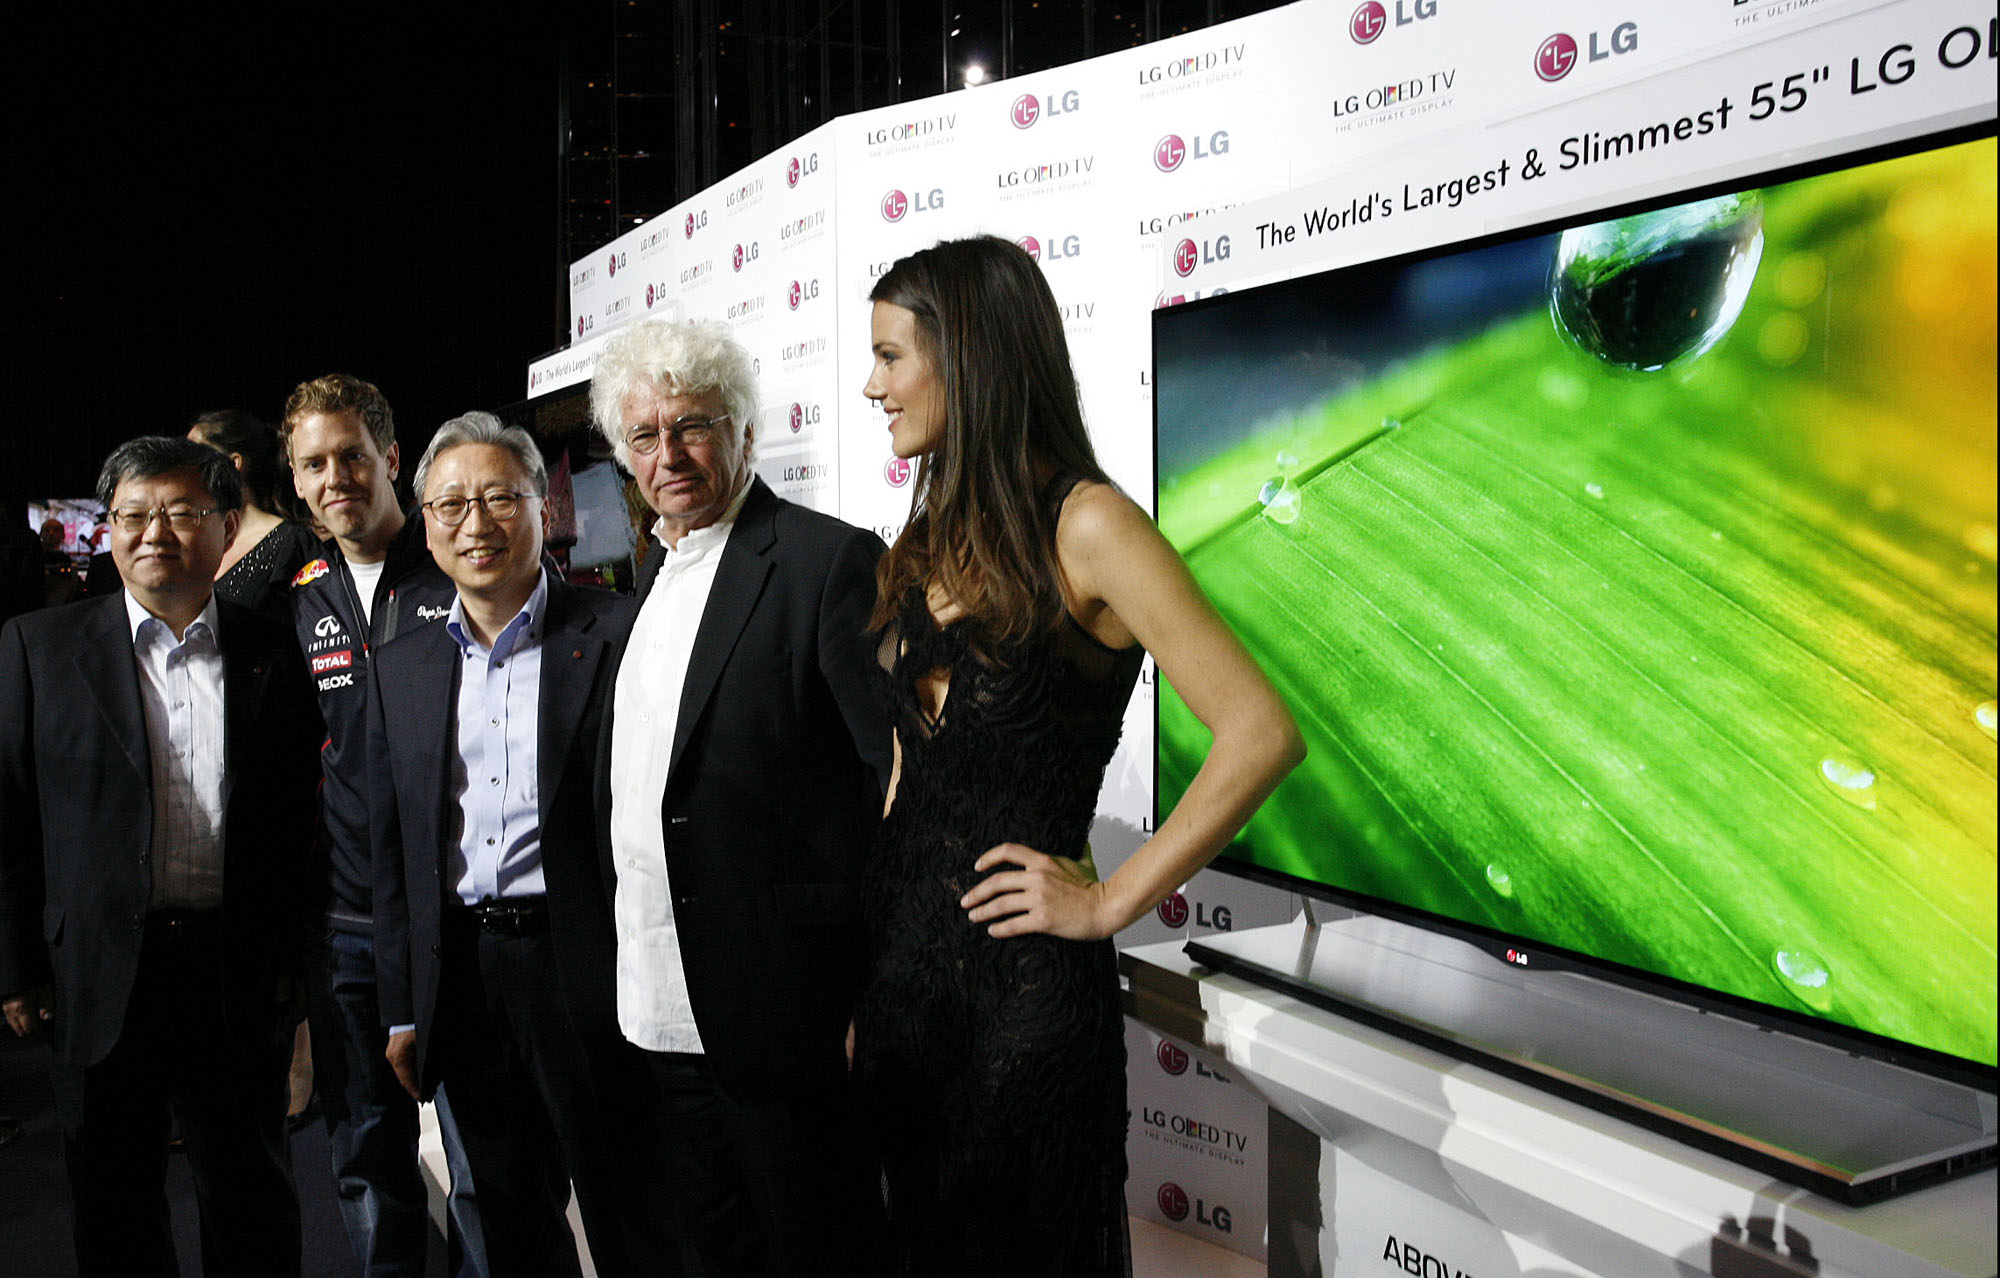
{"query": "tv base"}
{"type": "Point", "coordinates": [1854, 1128]}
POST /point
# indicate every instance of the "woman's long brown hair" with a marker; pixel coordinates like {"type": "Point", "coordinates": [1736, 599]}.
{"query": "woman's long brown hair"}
{"type": "Point", "coordinates": [989, 327]}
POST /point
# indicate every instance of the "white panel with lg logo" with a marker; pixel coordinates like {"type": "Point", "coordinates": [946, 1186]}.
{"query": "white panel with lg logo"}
{"type": "Point", "coordinates": [1599, 109]}
{"type": "Point", "coordinates": [777, 233]}
{"type": "Point", "coordinates": [1197, 1144]}
{"type": "Point", "coordinates": [907, 178]}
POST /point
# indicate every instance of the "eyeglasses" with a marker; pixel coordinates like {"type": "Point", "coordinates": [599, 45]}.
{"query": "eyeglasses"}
{"type": "Point", "coordinates": [179, 518]}
{"type": "Point", "coordinates": [689, 432]}
{"type": "Point", "coordinates": [499, 507]}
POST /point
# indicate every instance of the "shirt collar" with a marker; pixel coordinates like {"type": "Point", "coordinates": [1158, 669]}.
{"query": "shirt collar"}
{"type": "Point", "coordinates": [526, 623]}
{"type": "Point", "coordinates": [136, 617]}
{"type": "Point", "coordinates": [697, 542]}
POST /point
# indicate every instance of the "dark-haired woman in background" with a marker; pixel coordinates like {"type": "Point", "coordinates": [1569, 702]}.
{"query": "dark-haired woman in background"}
{"type": "Point", "coordinates": [1013, 609]}
{"type": "Point", "coordinates": [270, 547]}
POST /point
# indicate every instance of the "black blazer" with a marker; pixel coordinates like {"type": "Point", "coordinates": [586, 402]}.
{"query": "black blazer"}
{"type": "Point", "coordinates": [76, 812]}
{"type": "Point", "coordinates": [780, 759]}
{"type": "Point", "coordinates": [412, 719]}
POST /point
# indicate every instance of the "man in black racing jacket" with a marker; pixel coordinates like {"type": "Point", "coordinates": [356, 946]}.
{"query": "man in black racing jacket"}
{"type": "Point", "coordinates": [374, 581]}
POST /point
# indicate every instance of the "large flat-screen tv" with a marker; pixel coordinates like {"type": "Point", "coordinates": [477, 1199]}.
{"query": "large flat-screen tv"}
{"type": "Point", "coordinates": [1632, 579]}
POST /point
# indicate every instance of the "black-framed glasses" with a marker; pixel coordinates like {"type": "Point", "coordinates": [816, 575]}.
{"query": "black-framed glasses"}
{"type": "Point", "coordinates": [179, 518]}
{"type": "Point", "coordinates": [499, 506]}
{"type": "Point", "coordinates": [688, 432]}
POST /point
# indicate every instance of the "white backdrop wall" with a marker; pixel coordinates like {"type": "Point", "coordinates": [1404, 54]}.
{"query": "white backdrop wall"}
{"type": "Point", "coordinates": [1142, 179]}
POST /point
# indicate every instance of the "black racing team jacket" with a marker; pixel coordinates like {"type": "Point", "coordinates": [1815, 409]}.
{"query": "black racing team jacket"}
{"type": "Point", "coordinates": [327, 611]}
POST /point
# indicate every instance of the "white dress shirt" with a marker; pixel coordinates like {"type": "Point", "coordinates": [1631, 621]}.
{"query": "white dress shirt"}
{"type": "Point", "coordinates": [654, 1010]}
{"type": "Point", "coordinates": [180, 690]}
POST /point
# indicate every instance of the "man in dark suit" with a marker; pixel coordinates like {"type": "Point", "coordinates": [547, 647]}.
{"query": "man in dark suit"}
{"type": "Point", "coordinates": [744, 783]}
{"type": "Point", "coordinates": [158, 756]}
{"type": "Point", "coordinates": [493, 937]}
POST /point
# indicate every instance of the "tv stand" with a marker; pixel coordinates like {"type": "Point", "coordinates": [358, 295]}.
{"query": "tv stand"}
{"type": "Point", "coordinates": [1854, 1128]}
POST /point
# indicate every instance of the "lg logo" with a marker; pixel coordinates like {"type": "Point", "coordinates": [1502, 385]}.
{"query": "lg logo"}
{"type": "Point", "coordinates": [1054, 249]}
{"type": "Point", "coordinates": [1174, 912]}
{"type": "Point", "coordinates": [896, 471]}
{"type": "Point", "coordinates": [896, 205]}
{"type": "Point", "coordinates": [1170, 152]}
{"type": "Point", "coordinates": [1172, 1059]}
{"type": "Point", "coordinates": [1173, 1201]}
{"type": "Point", "coordinates": [801, 292]}
{"type": "Point", "coordinates": [804, 415]}
{"type": "Point", "coordinates": [1556, 57]}
{"type": "Point", "coordinates": [1368, 22]}
{"type": "Point", "coordinates": [1188, 254]}
{"type": "Point", "coordinates": [1028, 108]}
{"type": "Point", "coordinates": [695, 221]}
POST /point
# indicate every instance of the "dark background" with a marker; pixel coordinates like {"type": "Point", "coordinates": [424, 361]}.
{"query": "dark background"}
{"type": "Point", "coordinates": [206, 204]}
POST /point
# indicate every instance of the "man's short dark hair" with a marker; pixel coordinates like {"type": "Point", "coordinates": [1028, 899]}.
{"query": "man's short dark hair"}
{"type": "Point", "coordinates": [151, 455]}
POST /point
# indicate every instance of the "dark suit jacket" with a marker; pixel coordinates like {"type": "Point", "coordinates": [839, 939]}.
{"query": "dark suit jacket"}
{"type": "Point", "coordinates": [780, 759]}
{"type": "Point", "coordinates": [76, 812]}
{"type": "Point", "coordinates": [412, 720]}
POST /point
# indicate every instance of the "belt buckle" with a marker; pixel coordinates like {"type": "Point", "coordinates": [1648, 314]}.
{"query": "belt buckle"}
{"type": "Point", "coordinates": [509, 918]}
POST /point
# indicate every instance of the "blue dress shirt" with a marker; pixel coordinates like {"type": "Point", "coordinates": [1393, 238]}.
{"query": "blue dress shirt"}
{"type": "Point", "coordinates": [494, 770]}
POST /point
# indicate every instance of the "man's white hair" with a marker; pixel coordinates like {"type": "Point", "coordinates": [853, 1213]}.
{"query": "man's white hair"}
{"type": "Point", "coordinates": [697, 358]}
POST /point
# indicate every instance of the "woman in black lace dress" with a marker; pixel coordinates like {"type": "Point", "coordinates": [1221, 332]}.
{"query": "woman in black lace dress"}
{"type": "Point", "coordinates": [1013, 611]}
{"type": "Point", "coordinates": [269, 548]}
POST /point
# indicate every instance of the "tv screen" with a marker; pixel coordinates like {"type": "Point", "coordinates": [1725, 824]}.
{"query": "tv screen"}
{"type": "Point", "coordinates": [1632, 580]}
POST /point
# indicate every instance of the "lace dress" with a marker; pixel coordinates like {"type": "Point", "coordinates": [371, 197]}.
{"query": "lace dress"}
{"type": "Point", "coordinates": [262, 578]}
{"type": "Point", "coordinates": [993, 1071]}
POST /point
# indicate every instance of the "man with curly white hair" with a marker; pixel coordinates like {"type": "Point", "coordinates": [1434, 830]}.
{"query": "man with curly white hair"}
{"type": "Point", "coordinates": [745, 781]}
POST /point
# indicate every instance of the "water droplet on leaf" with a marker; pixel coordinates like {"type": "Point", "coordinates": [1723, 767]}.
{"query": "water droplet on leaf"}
{"type": "Point", "coordinates": [1849, 778]}
{"type": "Point", "coordinates": [1658, 288]}
{"type": "Point", "coordinates": [1280, 499]}
{"type": "Point", "coordinates": [1805, 973]}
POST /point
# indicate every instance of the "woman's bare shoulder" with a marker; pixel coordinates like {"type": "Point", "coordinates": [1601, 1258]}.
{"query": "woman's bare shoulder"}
{"type": "Point", "coordinates": [1097, 517]}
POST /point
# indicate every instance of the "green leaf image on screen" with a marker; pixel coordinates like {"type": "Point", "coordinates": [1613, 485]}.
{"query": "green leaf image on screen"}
{"type": "Point", "coordinates": [1689, 670]}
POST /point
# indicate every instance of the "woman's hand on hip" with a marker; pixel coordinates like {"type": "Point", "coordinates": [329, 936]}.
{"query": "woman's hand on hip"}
{"type": "Point", "coordinates": [1029, 891]}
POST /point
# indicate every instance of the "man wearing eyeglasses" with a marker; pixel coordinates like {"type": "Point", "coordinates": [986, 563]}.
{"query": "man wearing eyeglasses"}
{"type": "Point", "coordinates": [744, 783]}
{"type": "Point", "coordinates": [158, 756]}
{"type": "Point", "coordinates": [493, 935]}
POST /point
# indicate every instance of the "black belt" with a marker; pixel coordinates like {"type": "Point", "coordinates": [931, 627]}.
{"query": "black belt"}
{"type": "Point", "coordinates": [509, 916]}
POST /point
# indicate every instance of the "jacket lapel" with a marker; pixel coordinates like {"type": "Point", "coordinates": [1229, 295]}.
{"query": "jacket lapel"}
{"type": "Point", "coordinates": [570, 657]}
{"type": "Point", "coordinates": [246, 673]}
{"type": "Point", "coordinates": [106, 664]}
{"type": "Point", "coordinates": [429, 723]}
{"type": "Point", "coordinates": [747, 563]}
